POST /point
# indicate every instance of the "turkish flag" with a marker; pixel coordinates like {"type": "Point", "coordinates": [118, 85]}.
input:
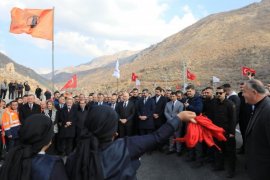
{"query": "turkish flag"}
{"type": "Point", "coordinates": [190, 75]}
{"type": "Point", "coordinates": [72, 83]}
{"type": "Point", "coordinates": [246, 71]}
{"type": "Point", "coordinates": [134, 77]}
{"type": "Point", "coordinates": [36, 22]}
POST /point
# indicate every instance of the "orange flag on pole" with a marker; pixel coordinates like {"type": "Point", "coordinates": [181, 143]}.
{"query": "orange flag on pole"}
{"type": "Point", "coordinates": [36, 22]}
{"type": "Point", "coordinates": [72, 83]}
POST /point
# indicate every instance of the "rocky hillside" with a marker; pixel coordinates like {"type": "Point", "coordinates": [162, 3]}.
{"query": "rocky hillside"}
{"type": "Point", "coordinates": [218, 45]}
{"type": "Point", "coordinates": [10, 70]}
{"type": "Point", "coordinates": [99, 62]}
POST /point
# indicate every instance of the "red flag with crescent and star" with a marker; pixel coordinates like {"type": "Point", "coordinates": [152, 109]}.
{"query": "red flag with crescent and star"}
{"type": "Point", "coordinates": [72, 83]}
{"type": "Point", "coordinates": [134, 77]}
{"type": "Point", "coordinates": [190, 75]}
{"type": "Point", "coordinates": [247, 71]}
{"type": "Point", "coordinates": [36, 22]}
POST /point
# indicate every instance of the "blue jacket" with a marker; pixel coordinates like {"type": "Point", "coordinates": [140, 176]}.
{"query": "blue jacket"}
{"type": "Point", "coordinates": [195, 104]}
{"type": "Point", "coordinates": [47, 167]}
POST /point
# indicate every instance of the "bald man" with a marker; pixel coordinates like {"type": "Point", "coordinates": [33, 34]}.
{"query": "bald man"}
{"type": "Point", "coordinates": [258, 131]}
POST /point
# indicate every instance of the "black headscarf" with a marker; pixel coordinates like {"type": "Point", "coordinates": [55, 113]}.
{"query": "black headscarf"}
{"type": "Point", "coordinates": [101, 124]}
{"type": "Point", "coordinates": [36, 132]}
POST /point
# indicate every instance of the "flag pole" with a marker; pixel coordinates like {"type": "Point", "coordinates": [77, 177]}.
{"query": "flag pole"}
{"type": "Point", "coordinates": [184, 75]}
{"type": "Point", "coordinates": [53, 53]}
{"type": "Point", "coordinates": [117, 84]}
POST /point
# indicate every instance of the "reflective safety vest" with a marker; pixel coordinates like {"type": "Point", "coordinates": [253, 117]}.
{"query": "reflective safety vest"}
{"type": "Point", "coordinates": [10, 119]}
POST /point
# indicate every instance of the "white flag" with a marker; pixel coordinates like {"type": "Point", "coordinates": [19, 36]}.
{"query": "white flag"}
{"type": "Point", "coordinates": [138, 82]}
{"type": "Point", "coordinates": [215, 79]}
{"type": "Point", "coordinates": [116, 72]}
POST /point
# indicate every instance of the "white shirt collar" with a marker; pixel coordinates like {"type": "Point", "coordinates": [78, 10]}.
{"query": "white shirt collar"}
{"type": "Point", "coordinates": [42, 152]}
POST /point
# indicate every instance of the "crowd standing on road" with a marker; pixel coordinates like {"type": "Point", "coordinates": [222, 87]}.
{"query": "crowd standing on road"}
{"type": "Point", "coordinates": [104, 135]}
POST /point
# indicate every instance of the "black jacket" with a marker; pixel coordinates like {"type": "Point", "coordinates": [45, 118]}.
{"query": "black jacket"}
{"type": "Point", "coordinates": [225, 116]}
{"type": "Point", "coordinates": [65, 116]}
{"type": "Point", "coordinates": [209, 106]}
{"type": "Point", "coordinates": [25, 111]}
{"type": "Point", "coordinates": [159, 109]}
{"type": "Point", "coordinates": [258, 142]}
{"type": "Point", "coordinates": [127, 112]}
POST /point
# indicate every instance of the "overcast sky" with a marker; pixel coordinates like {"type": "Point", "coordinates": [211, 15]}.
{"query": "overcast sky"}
{"type": "Point", "coordinates": [85, 29]}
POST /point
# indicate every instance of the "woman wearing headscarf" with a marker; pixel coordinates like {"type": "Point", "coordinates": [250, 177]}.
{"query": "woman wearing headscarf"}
{"type": "Point", "coordinates": [28, 160]}
{"type": "Point", "coordinates": [98, 157]}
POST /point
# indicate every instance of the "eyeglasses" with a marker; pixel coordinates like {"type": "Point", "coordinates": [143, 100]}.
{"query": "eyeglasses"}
{"type": "Point", "coordinates": [219, 93]}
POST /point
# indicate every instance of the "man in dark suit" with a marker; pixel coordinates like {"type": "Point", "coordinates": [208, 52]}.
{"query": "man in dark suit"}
{"type": "Point", "coordinates": [146, 107]}
{"type": "Point", "coordinates": [135, 99]}
{"type": "Point", "coordinates": [100, 100]}
{"type": "Point", "coordinates": [233, 96]}
{"type": "Point", "coordinates": [244, 117]}
{"type": "Point", "coordinates": [67, 132]}
{"type": "Point", "coordinates": [29, 108]}
{"type": "Point", "coordinates": [160, 103]}
{"type": "Point", "coordinates": [225, 117]}
{"type": "Point", "coordinates": [257, 147]}
{"type": "Point", "coordinates": [113, 103]}
{"type": "Point", "coordinates": [61, 103]}
{"type": "Point", "coordinates": [82, 112]}
{"type": "Point", "coordinates": [126, 112]}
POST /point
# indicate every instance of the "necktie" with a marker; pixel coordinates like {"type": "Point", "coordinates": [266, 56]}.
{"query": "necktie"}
{"type": "Point", "coordinates": [125, 104]}
{"type": "Point", "coordinates": [144, 101]}
{"type": "Point", "coordinates": [172, 106]}
{"type": "Point", "coordinates": [31, 106]}
{"type": "Point", "coordinates": [68, 109]}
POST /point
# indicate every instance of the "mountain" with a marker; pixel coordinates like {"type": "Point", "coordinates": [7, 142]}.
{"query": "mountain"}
{"type": "Point", "coordinates": [65, 73]}
{"type": "Point", "coordinates": [217, 45]}
{"type": "Point", "coordinates": [10, 70]}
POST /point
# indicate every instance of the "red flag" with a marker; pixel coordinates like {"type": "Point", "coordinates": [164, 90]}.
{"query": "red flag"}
{"type": "Point", "coordinates": [246, 71]}
{"type": "Point", "coordinates": [205, 131]}
{"type": "Point", "coordinates": [190, 75]}
{"type": "Point", "coordinates": [134, 77]}
{"type": "Point", "coordinates": [37, 22]}
{"type": "Point", "coordinates": [72, 83]}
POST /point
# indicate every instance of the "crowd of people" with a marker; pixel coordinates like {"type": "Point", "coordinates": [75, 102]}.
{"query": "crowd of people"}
{"type": "Point", "coordinates": [14, 89]}
{"type": "Point", "coordinates": [81, 126]}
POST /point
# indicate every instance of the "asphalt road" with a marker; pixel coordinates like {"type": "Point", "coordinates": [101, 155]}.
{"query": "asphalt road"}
{"type": "Point", "coordinates": [160, 166]}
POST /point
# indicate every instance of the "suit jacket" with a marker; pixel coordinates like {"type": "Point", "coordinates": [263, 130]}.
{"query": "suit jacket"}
{"type": "Point", "coordinates": [258, 142]}
{"type": "Point", "coordinates": [159, 109]}
{"type": "Point", "coordinates": [65, 116]}
{"type": "Point", "coordinates": [127, 112]}
{"type": "Point", "coordinates": [115, 106]}
{"type": "Point", "coordinates": [146, 109]}
{"type": "Point", "coordinates": [57, 107]}
{"type": "Point", "coordinates": [103, 104]}
{"type": "Point", "coordinates": [25, 111]}
{"type": "Point", "coordinates": [171, 113]}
